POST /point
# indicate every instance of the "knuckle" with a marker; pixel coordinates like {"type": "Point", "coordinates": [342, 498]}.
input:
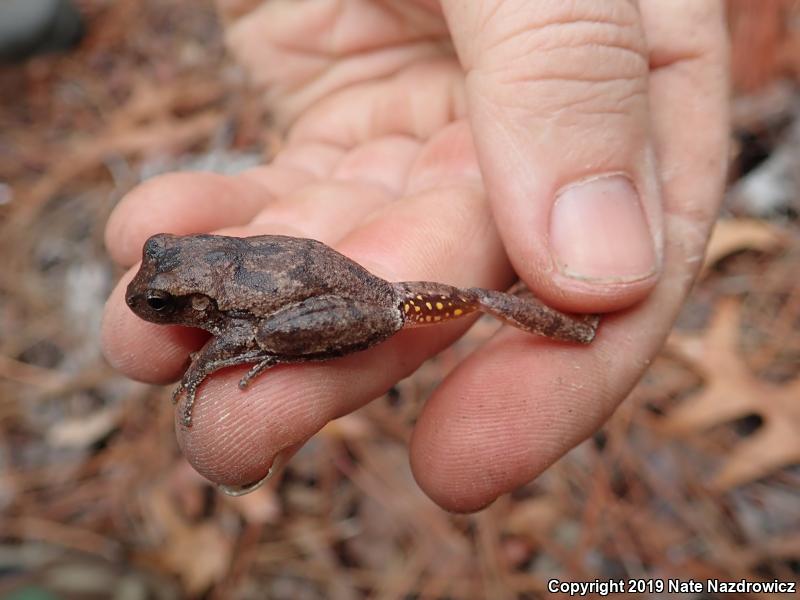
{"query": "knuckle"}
{"type": "Point", "coordinates": [578, 55]}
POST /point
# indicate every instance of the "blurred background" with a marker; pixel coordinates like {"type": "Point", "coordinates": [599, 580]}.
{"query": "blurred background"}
{"type": "Point", "coordinates": [696, 476]}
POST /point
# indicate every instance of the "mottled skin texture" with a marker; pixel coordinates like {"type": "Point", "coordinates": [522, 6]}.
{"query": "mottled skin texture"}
{"type": "Point", "coordinates": [275, 299]}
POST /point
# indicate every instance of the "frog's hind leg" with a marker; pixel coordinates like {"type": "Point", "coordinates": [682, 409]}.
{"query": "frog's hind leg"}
{"type": "Point", "coordinates": [256, 370]}
{"type": "Point", "coordinates": [525, 311]}
{"type": "Point", "coordinates": [425, 303]}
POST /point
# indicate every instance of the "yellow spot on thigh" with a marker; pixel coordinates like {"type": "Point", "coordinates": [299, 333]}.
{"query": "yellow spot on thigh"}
{"type": "Point", "coordinates": [419, 297]}
{"type": "Point", "coordinates": [417, 308]}
{"type": "Point", "coordinates": [429, 305]}
{"type": "Point", "coordinates": [406, 307]}
{"type": "Point", "coordinates": [458, 312]}
{"type": "Point", "coordinates": [439, 305]}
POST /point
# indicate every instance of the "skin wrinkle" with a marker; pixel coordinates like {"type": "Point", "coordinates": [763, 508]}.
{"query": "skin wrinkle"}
{"type": "Point", "coordinates": [557, 26]}
{"type": "Point", "coordinates": [563, 101]}
{"type": "Point", "coordinates": [406, 26]}
{"type": "Point", "coordinates": [659, 61]}
{"type": "Point", "coordinates": [569, 63]}
{"type": "Point", "coordinates": [547, 118]}
{"type": "Point", "coordinates": [358, 165]}
{"type": "Point", "coordinates": [588, 107]}
{"type": "Point", "coordinates": [317, 159]}
{"type": "Point", "coordinates": [561, 80]}
{"type": "Point", "coordinates": [484, 22]}
{"type": "Point", "coordinates": [554, 88]}
{"type": "Point", "coordinates": [276, 180]}
{"type": "Point", "coordinates": [567, 39]}
{"type": "Point", "coordinates": [436, 33]}
{"type": "Point", "coordinates": [348, 75]}
{"type": "Point", "coordinates": [384, 115]}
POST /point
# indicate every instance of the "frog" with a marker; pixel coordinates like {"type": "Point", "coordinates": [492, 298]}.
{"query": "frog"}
{"type": "Point", "coordinates": [269, 300]}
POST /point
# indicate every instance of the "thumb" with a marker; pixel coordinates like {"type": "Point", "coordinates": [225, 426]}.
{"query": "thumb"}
{"type": "Point", "coordinates": [558, 104]}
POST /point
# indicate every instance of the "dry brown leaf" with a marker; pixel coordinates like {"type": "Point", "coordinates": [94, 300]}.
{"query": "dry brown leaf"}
{"type": "Point", "coordinates": [200, 554]}
{"type": "Point", "coordinates": [731, 391]}
{"type": "Point", "coordinates": [735, 235]}
{"type": "Point", "coordinates": [352, 426]}
{"type": "Point", "coordinates": [258, 507]}
{"type": "Point", "coordinates": [83, 431]}
{"type": "Point", "coordinates": [534, 517]}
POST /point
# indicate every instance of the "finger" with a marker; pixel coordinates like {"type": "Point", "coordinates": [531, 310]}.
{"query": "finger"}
{"type": "Point", "coordinates": [558, 104]}
{"type": "Point", "coordinates": [690, 93]}
{"type": "Point", "coordinates": [349, 44]}
{"type": "Point", "coordinates": [523, 403]}
{"type": "Point", "coordinates": [180, 203]}
{"type": "Point", "coordinates": [325, 210]}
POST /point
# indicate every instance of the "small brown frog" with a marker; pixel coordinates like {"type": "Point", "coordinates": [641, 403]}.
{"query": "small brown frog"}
{"type": "Point", "coordinates": [274, 299]}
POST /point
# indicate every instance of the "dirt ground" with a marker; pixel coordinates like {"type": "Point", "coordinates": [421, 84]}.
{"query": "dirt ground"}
{"type": "Point", "coordinates": [697, 475]}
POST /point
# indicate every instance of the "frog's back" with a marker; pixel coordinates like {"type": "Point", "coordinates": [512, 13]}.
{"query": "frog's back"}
{"type": "Point", "coordinates": [282, 270]}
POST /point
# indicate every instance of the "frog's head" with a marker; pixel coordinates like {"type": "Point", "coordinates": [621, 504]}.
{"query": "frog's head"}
{"type": "Point", "coordinates": [178, 279]}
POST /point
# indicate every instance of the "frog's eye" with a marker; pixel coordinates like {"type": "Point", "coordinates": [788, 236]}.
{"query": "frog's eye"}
{"type": "Point", "coordinates": [158, 300]}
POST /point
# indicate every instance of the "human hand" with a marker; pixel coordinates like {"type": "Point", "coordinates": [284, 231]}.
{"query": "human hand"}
{"type": "Point", "coordinates": [421, 165]}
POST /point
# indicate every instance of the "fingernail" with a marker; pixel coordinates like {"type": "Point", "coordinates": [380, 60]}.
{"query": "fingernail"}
{"type": "Point", "coordinates": [277, 465]}
{"type": "Point", "coordinates": [599, 232]}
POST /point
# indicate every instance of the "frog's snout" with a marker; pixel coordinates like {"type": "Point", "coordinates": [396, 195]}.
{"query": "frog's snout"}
{"type": "Point", "coordinates": [131, 297]}
{"type": "Point", "coordinates": [135, 293]}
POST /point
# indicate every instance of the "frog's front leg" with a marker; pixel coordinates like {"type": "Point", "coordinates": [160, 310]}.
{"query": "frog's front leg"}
{"type": "Point", "coordinates": [218, 353]}
{"type": "Point", "coordinates": [426, 303]}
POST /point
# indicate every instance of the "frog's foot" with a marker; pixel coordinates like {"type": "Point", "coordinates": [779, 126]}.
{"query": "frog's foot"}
{"type": "Point", "coordinates": [189, 388]}
{"type": "Point", "coordinates": [592, 321]}
{"type": "Point", "coordinates": [256, 370]}
{"type": "Point", "coordinates": [188, 405]}
{"type": "Point", "coordinates": [176, 393]}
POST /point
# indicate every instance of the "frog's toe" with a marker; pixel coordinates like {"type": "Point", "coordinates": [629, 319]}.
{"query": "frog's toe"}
{"type": "Point", "coordinates": [176, 393]}
{"type": "Point", "coordinates": [256, 370]}
{"type": "Point", "coordinates": [593, 321]}
{"type": "Point", "coordinates": [188, 403]}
